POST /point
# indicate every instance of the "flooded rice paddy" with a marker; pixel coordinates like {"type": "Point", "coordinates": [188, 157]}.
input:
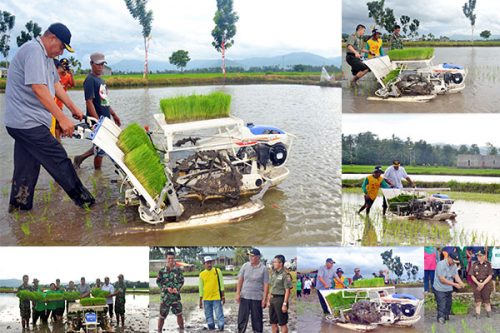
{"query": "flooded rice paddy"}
{"type": "Point", "coordinates": [480, 94]}
{"type": "Point", "coordinates": [305, 209]}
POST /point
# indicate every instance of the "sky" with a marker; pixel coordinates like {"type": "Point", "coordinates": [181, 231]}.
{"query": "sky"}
{"type": "Point", "coordinates": [452, 129]}
{"type": "Point", "coordinates": [366, 258]}
{"type": "Point", "coordinates": [443, 17]}
{"type": "Point", "coordinates": [48, 263]}
{"type": "Point", "coordinates": [265, 28]}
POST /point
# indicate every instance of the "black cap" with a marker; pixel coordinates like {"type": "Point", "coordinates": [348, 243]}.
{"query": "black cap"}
{"type": "Point", "coordinates": [56, 62]}
{"type": "Point", "coordinates": [254, 252]}
{"type": "Point", "coordinates": [63, 34]}
{"type": "Point", "coordinates": [454, 257]}
{"type": "Point", "coordinates": [378, 168]}
{"type": "Point", "coordinates": [330, 260]}
{"type": "Point", "coordinates": [375, 31]}
{"type": "Point", "coordinates": [480, 253]}
{"type": "Point", "coordinates": [340, 270]}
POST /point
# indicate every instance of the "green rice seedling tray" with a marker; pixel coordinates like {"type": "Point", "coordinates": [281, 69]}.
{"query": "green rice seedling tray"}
{"type": "Point", "coordinates": [392, 75]}
{"type": "Point", "coordinates": [459, 309]}
{"type": "Point", "coordinates": [26, 295]}
{"type": "Point", "coordinates": [146, 167]}
{"type": "Point", "coordinates": [196, 107]}
{"type": "Point", "coordinates": [344, 299]}
{"type": "Point", "coordinates": [93, 301]}
{"type": "Point", "coordinates": [414, 53]}
{"type": "Point", "coordinates": [71, 295]}
{"type": "Point", "coordinates": [98, 292]}
{"type": "Point", "coordinates": [54, 297]}
{"type": "Point", "coordinates": [369, 283]}
{"type": "Point", "coordinates": [132, 137]}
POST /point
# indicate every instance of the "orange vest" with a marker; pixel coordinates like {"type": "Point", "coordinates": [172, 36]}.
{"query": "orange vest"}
{"type": "Point", "coordinates": [373, 186]}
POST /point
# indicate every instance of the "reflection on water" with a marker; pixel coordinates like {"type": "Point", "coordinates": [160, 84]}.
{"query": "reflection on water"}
{"type": "Point", "coordinates": [470, 225]}
{"type": "Point", "coordinates": [136, 308]}
{"type": "Point", "coordinates": [305, 209]}
{"type": "Point", "coordinates": [480, 94]}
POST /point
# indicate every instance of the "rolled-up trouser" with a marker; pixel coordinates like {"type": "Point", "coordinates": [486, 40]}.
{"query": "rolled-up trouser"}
{"type": "Point", "coordinates": [323, 303]}
{"type": "Point", "coordinates": [250, 307]}
{"type": "Point", "coordinates": [211, 307]}
{"type": "Point", "coordinates": [443, 301]}
{"type": "Point", "coordinates": [36, 147]}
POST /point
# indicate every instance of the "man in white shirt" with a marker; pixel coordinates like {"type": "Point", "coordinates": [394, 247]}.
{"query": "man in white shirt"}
{"type": "Point", "coordinates": [109, 301]}
{"type": "Point", "coordinates": [495, 264]}
{"type": "Point", "coordinates": [395, 173]}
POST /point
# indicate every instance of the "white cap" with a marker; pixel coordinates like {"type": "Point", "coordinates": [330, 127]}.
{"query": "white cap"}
{"type": "Point", "coordinates": [207, 258]}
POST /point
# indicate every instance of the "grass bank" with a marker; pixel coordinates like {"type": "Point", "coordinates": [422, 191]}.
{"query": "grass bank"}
{"type": "Point", "coordinates": [196, 274]}
{"type": "Point", "coordinates": [199, 79]}
{"type": "Point", "coordinates": [426, 170]}
{"type": "Point", "coordinates": [467, 196]}
{"type": "Point", "coordinates": [461, 43]}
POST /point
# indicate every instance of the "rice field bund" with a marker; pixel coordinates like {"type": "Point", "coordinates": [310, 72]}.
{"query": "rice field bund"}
{"type": "Point", "coordinates": [304, 209]}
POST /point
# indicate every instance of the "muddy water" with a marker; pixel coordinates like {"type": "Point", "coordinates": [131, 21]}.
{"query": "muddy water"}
{"type": "Point", "coordinates": [471, 222]}
{"type": "Point", "coordinates": [136, 320]}
{"type": "Point", "coordinates": [310, 318]}
{"type": "Point", "coordinates": [480, 94]}
{"type": "Point", "coordinates": [305, 209]}
{"type": "Point", "coordinates": [193, 281]}
{"type": "Point", "coordinates": [439, 178]}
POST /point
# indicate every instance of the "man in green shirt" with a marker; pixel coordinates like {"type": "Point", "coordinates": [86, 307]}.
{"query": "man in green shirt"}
{"type": "Point", "coordinates": [38, 307]}
{"type": "Point", "coordinates": [278, 295]}
{"type": "Point", "coordinates": [355, 47]}
{"type": "Point", "coordinates": [170, 281]}
{"type": "Point", "coordinates": [25, 305]}
{"type": "Point", "coordinates": [396, 41]}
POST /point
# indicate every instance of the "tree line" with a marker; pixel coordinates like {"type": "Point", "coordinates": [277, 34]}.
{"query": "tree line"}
{"type": "Point", "coordinates": [368, 149]}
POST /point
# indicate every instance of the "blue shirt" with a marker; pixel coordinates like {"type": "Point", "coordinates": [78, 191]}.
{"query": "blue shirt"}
{"type": "Point", "coordinates": [327, 275]}
{"type": "Point", "coordinates": [31, 65]}
{"type": "Point", "coordinates": [443, 269]}
{"type": "Point", "coordinates": [95, 89]}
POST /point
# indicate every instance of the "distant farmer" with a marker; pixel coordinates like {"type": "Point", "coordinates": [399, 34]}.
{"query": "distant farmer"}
{"type": "Point", "coordinates": [298, 286]}
{"type": "Point", "coordinates": [251, 292]}
{"type": "Point", "coordinates": [355, 47]}
{"type": "Point", "coordinates": [170, 281]}
{"type": "Point", "coordinates": [83, 288]}
{"type": "Point", "coordinates": [307, 287]}
{"type": "Point", "coordinates": [25, 305]}
{"type": "Point", "coordinates": [446, 278]}
{"type": "Point", "coordinates": [357, 274]}
{"type": "Point", "coordinates": [395, 173]}
{"type": "Point", "coordinates": [67, 82]}
{"type": "Point", "coordinates": [340, 281]}
{"type": "Point", "coordinates": [109, 300]}
{"type": "Point", "coordinates": [120, 293]}
{"type": "Point", "coordinates": [32, 83]}
{"type": "Point", "coordinates": [396, 41]}
{"type": "Point", "coordinates": [374, 45]}
{"type": "Point", "coordinates": [324, 281]}
{"type": "Point", "coordinates": [97, 104]}
{"type": "Point", "coordinates": [71, 287]}
{"type": "Point", "coordinates": [280, 285]}
{"type": "Point", "coordinates": [211, 291]}
{"type": "Point", "coordinates": [495, 264]}
{"type": "Point", "coordinates": [370, 187]}
{"type": "Point", "coordinates": [482, 275]}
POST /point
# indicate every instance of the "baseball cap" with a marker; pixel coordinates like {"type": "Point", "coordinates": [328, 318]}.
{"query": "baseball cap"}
{"type": "Point", "coordinates": [63, 34]}
{"type": "Point", "coordinates": [396, 162]}
{"type": "Point", "coordinates": [330, 260]}
{"type": "Point", "coordinates": [378, 168]}
{"type": "Point", "coordinates": [375, 31]}
{"type": "Point", "coordinates": [340, 270]}
{"type": "Point", "coordinates": [480, 253]}
{"type": "Point", "coordinates": [97, 58]}
{"type": "Point", "coordinates": [207, 258]}
{"type": "Point", "coordinates": [454, 257]}
{"type": "Point", "coordinates": [254, 252]}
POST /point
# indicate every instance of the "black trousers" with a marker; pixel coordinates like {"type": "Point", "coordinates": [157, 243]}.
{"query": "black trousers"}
{"type": "Point", "coordinates": [323, 303]}
{"type": "Point", "coordinates": [110, 309]}
{"type": "Point", "coordinates": [443, 301]}
{"type": "Point", "coordinates": [250, 307]}
{"type": "Point", "coordinates": [36, 147]}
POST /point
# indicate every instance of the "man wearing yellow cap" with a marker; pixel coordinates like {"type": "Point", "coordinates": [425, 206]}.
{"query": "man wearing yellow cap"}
{"type": "Point", "coordinates": [370, 187]}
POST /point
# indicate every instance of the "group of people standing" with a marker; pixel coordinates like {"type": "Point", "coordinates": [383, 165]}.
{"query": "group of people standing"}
{"type": "Point", "coordinates": [446, 270]}
{"type": "Point", "coordinates": [357, 49]}
{"type": "Point", "coordinates": [44, 310]}
{"type": "Point", "coordinates": [256, 289]}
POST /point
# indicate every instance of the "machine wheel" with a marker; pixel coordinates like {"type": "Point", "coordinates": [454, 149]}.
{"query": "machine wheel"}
{"type": "Point", "coordinates": [278, 154]}
{"type": "Point", "coordinates": [457, 78]}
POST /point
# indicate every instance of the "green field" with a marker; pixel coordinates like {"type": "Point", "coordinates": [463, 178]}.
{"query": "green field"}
{"type": "Point", "coordinates": [426, 170]}
{"type": "Point", "coordinates": [462, 43]}
{"type": "Point", "coordinates": [196, 274]}
{"type": "Point", "coordinates": [189, 79]}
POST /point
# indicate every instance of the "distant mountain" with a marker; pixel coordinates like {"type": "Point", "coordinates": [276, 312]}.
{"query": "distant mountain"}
{"type": "Point", "coordinates": [286, 60]}
{"type": "Point", "coordinates": [11, 283]}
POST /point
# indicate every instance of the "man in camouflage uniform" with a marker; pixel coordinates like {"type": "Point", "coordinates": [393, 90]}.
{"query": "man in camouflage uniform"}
{"type": "Point", "coordinates": [279, 294]}
{"type": "Point", "coordinates": [396, 41]}
{"type": "Point", "coordinates": [355, 46]}
{"type": "Point", "coordinates": [25, 306]}
{"type": "Point", "coordinates": [120, 290]}
{"type": "Point", "coordinates": [170, 281]}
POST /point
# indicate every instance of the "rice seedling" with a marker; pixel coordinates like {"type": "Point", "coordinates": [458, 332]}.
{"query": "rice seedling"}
{"type": "Point", "coordinates": [415, 53]}
{"type": "Point", "coordinates": [132, 137]}
{"type": "Point", "coordinates": [145, 165]}
{"type": "Point", "coordinates": [54, 297]}
{"type": "Point", "coordinates": [93, 301]}
{"type": "Point", "coordinates": [392, 75]}
{"type": "Point", "coordinates": [459, 308]}
{"type": "Point", "coordinates": [344, 299]}
{"type": "Point", "coordinates": [98, 292]}
{"type": "Point", "coordinates": [196, 107]}
{"type": "Point", "coordinates": [369, 283]}
{"type": "Point", "coordinates": [25, 228]}
{"type": "Point", "coordinates": [26, 295]}
{"type": "Point", "coordinates": [71, 295]}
